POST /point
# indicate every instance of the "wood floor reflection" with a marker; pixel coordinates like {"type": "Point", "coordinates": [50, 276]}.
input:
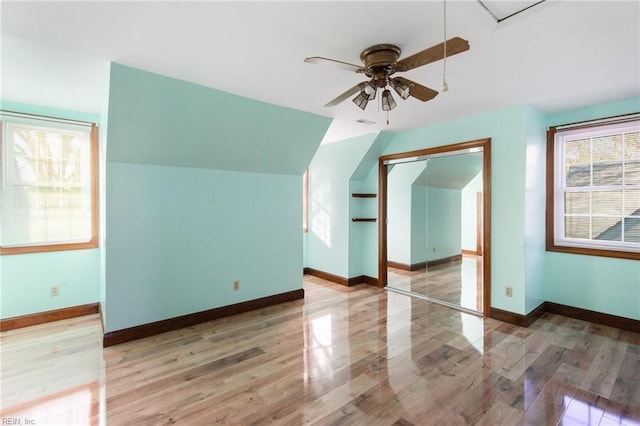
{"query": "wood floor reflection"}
{"type": "Point", "coordinates": [356, 355]}
{"type": "Point", "coordinates": [457, 283]}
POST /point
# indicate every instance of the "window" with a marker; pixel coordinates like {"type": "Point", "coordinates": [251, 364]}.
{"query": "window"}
{"type": "Point", "coordinates": [49, 184]}
{"type": "Point", "coordinates": [593, 188]}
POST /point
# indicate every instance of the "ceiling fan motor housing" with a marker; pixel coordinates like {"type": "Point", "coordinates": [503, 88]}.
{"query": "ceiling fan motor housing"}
{"type": "Point", "coordinates": [380, 60]}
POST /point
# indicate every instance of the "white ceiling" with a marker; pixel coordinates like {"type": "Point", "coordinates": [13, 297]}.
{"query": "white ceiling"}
{"type": "Point", "coordinates": [555, 56]}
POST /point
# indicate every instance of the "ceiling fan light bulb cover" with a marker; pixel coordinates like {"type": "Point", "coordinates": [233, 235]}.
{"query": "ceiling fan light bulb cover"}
{"type": "Point", "coordinates": [362, 99]}
{"type": "Point", "coordinates": [369, 89]}
{"type": "Point", "coordinates": [401, 89]}
{"type": "Point", "coordinates": [388, 103]}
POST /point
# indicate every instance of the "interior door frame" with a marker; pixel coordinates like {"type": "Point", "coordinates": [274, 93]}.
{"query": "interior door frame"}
{"type": "Point", "coordinates": [485, 144]}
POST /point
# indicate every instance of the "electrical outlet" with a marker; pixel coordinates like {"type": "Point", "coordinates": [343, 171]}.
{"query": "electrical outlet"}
{"type": "Point", "coordinates": [508, 291]}
{"type": "Point", "coordinates": [236, 285]}
{"type": "Point", "coordinates": [55, 291]}
{"type": "Point", "coordinates": [434, 249]}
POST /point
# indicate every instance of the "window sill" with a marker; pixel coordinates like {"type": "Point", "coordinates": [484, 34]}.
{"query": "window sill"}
{"type": "Point", "coordinates": [594, 252]}
{"type": "Point", "coordinates": [47, 248]}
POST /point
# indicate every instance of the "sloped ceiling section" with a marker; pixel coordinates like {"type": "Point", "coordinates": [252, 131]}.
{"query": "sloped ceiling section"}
{"type": "Point", "coordinates": [158, 120]}
{"type": "Point", "coordinates": [370, 159]}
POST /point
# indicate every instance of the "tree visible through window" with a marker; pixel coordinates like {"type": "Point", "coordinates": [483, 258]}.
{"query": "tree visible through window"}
{"type": "Point", "coordinates": [49, 185]}
{"type": "Point", "coordinates": [594, 189]}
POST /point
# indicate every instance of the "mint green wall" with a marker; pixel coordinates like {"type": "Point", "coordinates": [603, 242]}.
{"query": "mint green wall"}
{"type": "Point", "coordinates": [400, 179]}
{"type": "Point", "coordinates": [534, 212]}
{"type": "Point", "coordinates": [26, 279]}
{"type": "Point", "coordinates": [595, 283]}
{"type": "Point", "coordinates": [179, 237]}
{"type": "Point", "coordinates": [418, 224]}
{"type": "Point", "coordinates": [369, 249]}
{"type": "Point", "coordinates": [327, 245]}
{"type": "Point", "coordinates": [10, 105]}
{"type": "Point", "coordinates": [363, 240]}
{"type": "Point", "coordinates": [507, 130]}
{"type": "Point", "coordinates": [610, 109]}
{"type": "Point", "coordinates": [444, 211]}
{"type": "Point", "coordinates": [159, 120]}
{"type": "Point", "coordinates": [203, 188]}
{"type": "Point", "coordinates": [358, 207]}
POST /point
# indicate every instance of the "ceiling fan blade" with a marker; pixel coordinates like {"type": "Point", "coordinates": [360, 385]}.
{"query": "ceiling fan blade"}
{"type": "Point", "coordinates": [434, 53]}
{"type": "Point", "coordinates": [338, 64]}
{"type": "Point", "coordinates": [418, 91]}
{"type": "Point", "coordinates": [355, 89]}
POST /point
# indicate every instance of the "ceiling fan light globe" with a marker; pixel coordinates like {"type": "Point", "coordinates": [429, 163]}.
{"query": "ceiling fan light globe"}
{"type": "Point", "coordinates": [388, 103]}
{"type": "Point", "coordinates": [362, 99]}
{"type": "Point", "coordinates": [401, 89]}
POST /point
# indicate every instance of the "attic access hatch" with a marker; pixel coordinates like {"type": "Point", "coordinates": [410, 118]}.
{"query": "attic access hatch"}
{"type": "Point", "coordinates": [497, 13]}
{"type": "Point", "coordinates": [502, 10]}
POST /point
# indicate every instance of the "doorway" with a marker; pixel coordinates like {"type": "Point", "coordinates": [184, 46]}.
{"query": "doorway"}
{"type": "Point", "coordinates": [434, 224]}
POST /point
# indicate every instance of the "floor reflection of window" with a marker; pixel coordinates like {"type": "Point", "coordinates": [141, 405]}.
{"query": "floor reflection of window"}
{"type": "Point", "coordinates": [469, 283]}
{"type": "Point", "coordinates": [321, 350]}
{"type": "Point", "coordinates": [579, 412]}
{"type": "Point", "coordinates": [473, 331]}
{"type": "Point", "coordinates": [71, 407]}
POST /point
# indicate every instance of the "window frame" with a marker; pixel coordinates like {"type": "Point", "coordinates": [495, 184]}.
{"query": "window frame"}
{"type": "Point", "coordinates": [94, 172]}
{"type": "Point", "coordinates": [553, 195]}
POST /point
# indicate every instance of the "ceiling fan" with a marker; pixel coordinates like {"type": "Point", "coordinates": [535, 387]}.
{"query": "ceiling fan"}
{"type": "Point", "coordinates": [380, 63]}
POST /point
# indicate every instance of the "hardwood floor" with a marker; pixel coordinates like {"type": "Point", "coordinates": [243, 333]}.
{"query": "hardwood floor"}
{"type": "Point", "coordinates": [344, 355]}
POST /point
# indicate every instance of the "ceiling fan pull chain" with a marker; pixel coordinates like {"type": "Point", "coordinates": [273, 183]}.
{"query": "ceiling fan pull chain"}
{"type": "Point", "coordinates": [445, 86]}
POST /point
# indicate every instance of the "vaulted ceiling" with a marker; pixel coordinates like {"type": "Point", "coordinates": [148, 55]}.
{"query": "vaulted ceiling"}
{"type": "Point", "coordinates": [556, 55]}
